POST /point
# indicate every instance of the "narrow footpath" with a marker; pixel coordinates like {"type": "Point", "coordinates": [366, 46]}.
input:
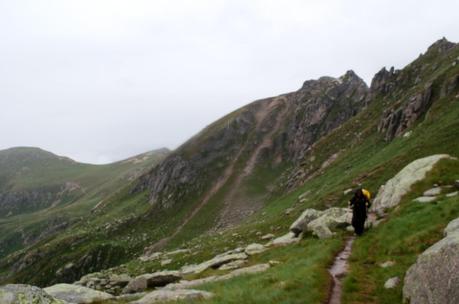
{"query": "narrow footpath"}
{"type": "Point", "coordinates": [338, 271]}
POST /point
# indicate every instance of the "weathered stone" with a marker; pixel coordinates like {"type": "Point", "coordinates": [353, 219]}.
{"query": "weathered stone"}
{"type": "Point", "coordinates": [213, 263]}
{"type": "Point", "coordinates": [425, 199]}
{"type": "Point", "coordinates": [434, 277]}
{"type": "Point", "coordinates": [25, 294]}
{"type": "Point", "coordinates": [268, 236]}
{"type": "Point", "coordinates": [392, 192]}
{"type": "Point", "coordinates": [392, 283]}
{"type": "Point", "coordinates": [330, 219]}
{"type": "Point", "coordinates": [452, 194]}
{"type": "Point", "coordinates": [287, 239]}
{"type": "Point", "coordinates": [452, 227]}
{"type": "Point", "coordinates": [77, 294]}
{"type": "Point", "coordinates": [254, 249]}
{"type": "Point", "coordinates": [433, 192]}
{"type": "Point", "coordinates": [151, 280]}
{"type": "Point", "coordinates": [150, 256]}
{"type": "Point", "coordinates": [305, 218]}
{"type": "Point", "coordinates": [233, 265]}
{"type": "Point", "coordinates": [164, 295]}
{"type": "Point", "coordinates": [347, 191]}
{"type": "Point", "coordinates": [387, 264]}
{"type": "Point", "coordinates": [166, 262]}
{"type": "Point", "coordinates": [235, 273]}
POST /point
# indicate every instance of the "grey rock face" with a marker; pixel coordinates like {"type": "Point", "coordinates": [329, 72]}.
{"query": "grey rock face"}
{"type": "Point", "coordinates": [77, 294]}
{"type": "Point", "coordinates": [434, 278]}
{"type": "Point", "coordinates": [395, 121]}
{"type": "Point", "coordinates": [304, 219]}
{"type": "Point", "coordinates": [25, 294]}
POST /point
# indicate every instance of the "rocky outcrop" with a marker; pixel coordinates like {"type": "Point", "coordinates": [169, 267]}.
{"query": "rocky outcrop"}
{"type": "Point", "coordinates": [396, 121]}
{"type": "Point", "coordinates": [161, 296]}
{"type": "Point", "coordinates": [392, 192]}
{"type": "Point", "coordinates": [434, 278]}
{"type": "Point", "coordinates": [26, 294]}
{"type": "Point", "coordinates": [77, 294]}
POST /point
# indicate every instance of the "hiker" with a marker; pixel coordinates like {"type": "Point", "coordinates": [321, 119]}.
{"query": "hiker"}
{"type": "Point", "coordinates": [359, 203]}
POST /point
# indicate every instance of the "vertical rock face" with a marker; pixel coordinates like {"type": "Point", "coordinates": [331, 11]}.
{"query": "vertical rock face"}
{"type": "Point", "coordinates": [414, 89]}
{"type": "Point", "coordinates": [434, 278]}
{"type": "Point", "coordinates": [395, 121]}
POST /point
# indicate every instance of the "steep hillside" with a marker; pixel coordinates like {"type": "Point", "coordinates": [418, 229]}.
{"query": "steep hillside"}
{"type": "Point", "coordinates": [254, 171]}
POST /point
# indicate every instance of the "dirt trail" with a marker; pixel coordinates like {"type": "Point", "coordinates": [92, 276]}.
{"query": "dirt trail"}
{"type": "Point", "coordinates": [234, 208]}
{"type": "Point", "coordinates": [260, 116]}
{"type": "Point", "coordinates": [338, 271]}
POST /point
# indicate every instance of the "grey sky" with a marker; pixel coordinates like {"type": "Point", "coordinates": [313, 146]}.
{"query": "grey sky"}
{"type": "Point", "coordinates": [101, 80]}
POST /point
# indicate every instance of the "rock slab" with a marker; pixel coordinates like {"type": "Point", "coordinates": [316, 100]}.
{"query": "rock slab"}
{"type": "Point", "coordinates": [77, 294]}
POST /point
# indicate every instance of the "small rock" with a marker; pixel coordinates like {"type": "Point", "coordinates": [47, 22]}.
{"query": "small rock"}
{"type": "Point", "coordinates": [350, 228]}
{"type": "Point", "coordinates": [432, 192]}
{"type": "Point", "coordinates": [348, 191]}
{"type": "Point", "coordinates": [425, 199]}
{"type": "Point", "coordinates": [392, 283]}
{"type": "Point", "coordinates": [268, 236]}
{"type": "Point", "coordinates": [452, 194]}
{"type": "Point", "coordinates": [233, 265]}
{"type": "Point", "coordinates": [151, 280]}
{"type": "Point", "coordinates": [166, 262]}
{"type": "Point", "coordinates": [274, 262]}
{"type": "Point", "coordinates": [254, 249]}
{"type": "Point", "coordinates": [407, 134]}
{"type": "Point", "coordinates": [387, 264]}
{"type": "Point", "coordinates": [286, 239]}
{"type": "Point", "coordinates": [288, 211]}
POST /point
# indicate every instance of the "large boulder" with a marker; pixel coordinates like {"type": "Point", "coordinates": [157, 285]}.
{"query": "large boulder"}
{"type": "Point", "coordinates": [25, 294]}
{"type": "Point", "coordinates": [392, 192]}
{"type": "Point", "coordinates": [305, 218]}
{"type": "Point", "coordinates": [151, 280]}
{"type": "Point", "coordinates": [434, 278]}
{"type": "Point", "coordinates": [321, 223]}
{"type": "Point", "coordinates": [330, 219]}
{"type": "Point", "coordinates": [164, 295]}
{"type": "Point", "coordinates": [77, 294]}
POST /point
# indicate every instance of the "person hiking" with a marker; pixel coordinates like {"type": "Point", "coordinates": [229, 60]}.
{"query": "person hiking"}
{"type": "Point", "coordinates": [360, 203]}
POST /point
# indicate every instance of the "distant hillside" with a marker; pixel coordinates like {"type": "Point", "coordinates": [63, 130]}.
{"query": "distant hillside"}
{"type": "Point", "coordinates": [32, 179]}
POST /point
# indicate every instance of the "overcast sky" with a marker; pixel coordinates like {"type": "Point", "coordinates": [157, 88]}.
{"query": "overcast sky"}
{"type": "Point", "coordinates": [101, 80]}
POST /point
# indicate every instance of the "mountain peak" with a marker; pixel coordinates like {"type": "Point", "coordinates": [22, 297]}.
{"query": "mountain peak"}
{"type": "Point", "coordinates": [441, 45]}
